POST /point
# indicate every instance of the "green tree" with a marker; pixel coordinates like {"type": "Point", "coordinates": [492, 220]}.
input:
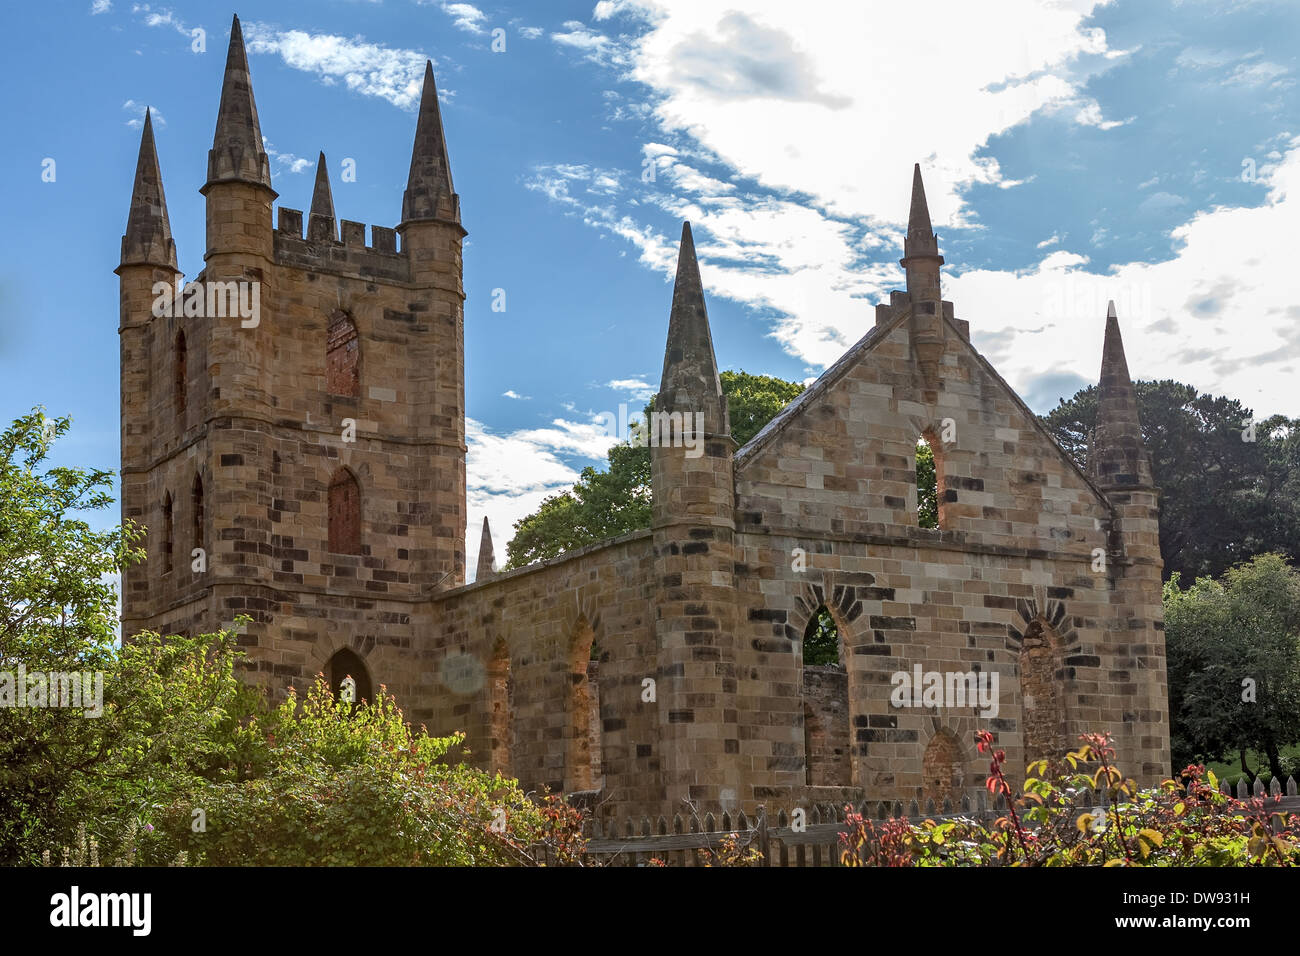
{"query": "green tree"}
{"type": "Point", "coordinates": [927, 489]}
{"type": "Point", "coordinates": [175, 730]}
{"type": "Point", "coordinates": [1224, 498]}
{"type": "Point", "coordinates": [58, 612]}
{"type": "Point", "coordinates": [345, 786]}
{"type": "Point", "coordinates": [603, 504]}
{"type": "Point", "coordinates": [821, 639]}
{"type": "Point", "coordinates": [1233, 658]}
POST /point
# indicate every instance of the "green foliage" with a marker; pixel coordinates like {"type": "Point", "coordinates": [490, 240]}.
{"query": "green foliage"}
{"type": "Point", "coordinates": [1221, 633]}
{"type": "Point", "coordinates": [356, 787]}
{"type": "Point", "coordinates": [604, 504]}
{"type": "Point", "coordinates": [313, 782]}
{"type": "Point", "coordinates": [1223, 499]}
{"type": "Point", "coordinates": [1053, 821]}
{"type": "Point", "coordinates": [927, 488]}
{"type": "Point", "coordinates": [821, 639]}
{"type": "Point", "coordinates": [754, 400]}
{"type": "Point", "coordinates": [58, 612]}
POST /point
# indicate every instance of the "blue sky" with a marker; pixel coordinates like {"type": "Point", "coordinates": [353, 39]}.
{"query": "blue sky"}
{"type": "Point", "coordinates": [1074, 152]}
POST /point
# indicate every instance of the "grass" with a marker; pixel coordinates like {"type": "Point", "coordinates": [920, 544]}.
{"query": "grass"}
{"type": "Point", "coordinates": [1230, 770]}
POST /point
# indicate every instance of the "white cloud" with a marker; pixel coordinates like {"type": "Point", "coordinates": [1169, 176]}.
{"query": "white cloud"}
{"type": "Point", "coordinates": [637, 389]}
{"type": "Point", "coordinates": [371, 69]}
{"type": "Point", "coordinates": [465, 16]}
{"type": "Point", "coordinates": [100, 6]}
{"type": "Point", "coordinates": [770, 90]}
{"type": "Point", "coordinates": [159, 17]}
{"type": "Point", "coordinates": [287, 162]}
{"type": "Point", "coordinates": [594, 47]}
{"type": "Point", "coordinates": [1221, 315]}
{"type": "Point", "coordinates": [137, 111]}
{"type": "Point", "coordinates": [511, 393]}
{"type": "Point", "coordinates": [531, 33]}
{"type": "Point", "coordinates": [508, 476]}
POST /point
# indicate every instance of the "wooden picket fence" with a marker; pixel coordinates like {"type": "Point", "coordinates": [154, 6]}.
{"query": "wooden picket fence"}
{"type": "Point", "coordinates": [815, 842]}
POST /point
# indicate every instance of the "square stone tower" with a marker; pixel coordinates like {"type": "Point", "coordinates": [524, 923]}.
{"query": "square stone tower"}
{"type": "Point", "coordinates": [293, 419]}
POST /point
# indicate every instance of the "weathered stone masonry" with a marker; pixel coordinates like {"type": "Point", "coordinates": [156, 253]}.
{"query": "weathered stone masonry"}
{"type": "Point", "coordinates": [665, 664]}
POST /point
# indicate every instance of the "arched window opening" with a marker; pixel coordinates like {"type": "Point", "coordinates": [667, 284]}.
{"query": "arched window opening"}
{"type": "Point", "coordinates": [827, 742]}
{"type": "Point", "coordinates": [583, 766]}
{"type": "Point", "coordinates": [181, 379]}
{"type": "Point", "coordinates": [343, 357]}
{"type": "Point", "coordinates": [344, 664]}
{"type": "Point", "coordinates": [942, 769]}
{"type": "Point", "coordinates": [197, 504]}
{"type": "Point", "coordinates": [821, 639]}
{"type": "Point", "coordinates": [929, 470]}
{"type": "Point", "coordinates": [167, 534]}
{"type": "Point", "coordinates": [501, 700]}
{"type": "Point", "coordinates": [344, 515]}
{"type": "Point", "coordinates": [1042, 691]}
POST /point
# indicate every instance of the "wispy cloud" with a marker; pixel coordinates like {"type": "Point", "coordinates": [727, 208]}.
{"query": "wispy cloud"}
{"type": "Point", "coordinates": [156, 17]}
{"type": "Point", "coordinates": [100, 6]}
{"type": "Point", "coordinates": [137, 111]}
{"type": "Point", "coordinates": [465, 16]}
{"type": "Point", "coordinates": [287, 162]}
{"type": "Point", "coordinates": [371, 69]}
{"type": "Point", "coordinates": [511, 393]}
{"type": "Point", "coordinates": [594, 47]}
{"type": "Point", "coordinates": [635, 387]}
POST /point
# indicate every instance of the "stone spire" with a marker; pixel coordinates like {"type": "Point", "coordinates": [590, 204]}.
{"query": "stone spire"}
{"type": "Point", "coordinates": [1118, 456]}
{"type": "Point", "coordinates": [237, 153]}
{"type": "Point", "coordinates": [921, 258]}
{"type": "Point", "coordinates": [148, 239]}
{"type": "Point", "coordinates": [429, 192]}
{"type": "Point", "coordinates": [320, 220]}
{"type": "Point", "coordinates": [690, 381]}
{"type": "Point", "coordinates": [486, 557]}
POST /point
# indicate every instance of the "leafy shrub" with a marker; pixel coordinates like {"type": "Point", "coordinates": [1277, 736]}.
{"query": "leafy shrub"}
{"type": "Point", "coordinates": [1180, 823]}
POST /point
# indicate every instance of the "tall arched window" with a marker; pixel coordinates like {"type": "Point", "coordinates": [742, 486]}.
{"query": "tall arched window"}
{"type": "Point", "coordinates": [180, 380]}
{"type": "Point", "coordinates": [942, 769]}
{"type": "Point", "coordinates": [821, 639]}
{"type": "Point", "coordinates": [827, 760]}
{"type": "Point", "coordinates": [197, 503]}
{"type": "Point", "coordinates": [583, 763]}
{"type": "Point", "coordinates": [343, 357]}
{"type": "Point", "coordinates": [1042, 691]}
{"type": "Point", "coordinates": [929, 482]}
{"type": "Point", "coordinates": [345, 663]}
{"type": "Point", "coordinates": [501, 701]}
{"type": "Point", "coordinates": [167, 533]}
{"type": "Point", "coordinates": [344, 515]}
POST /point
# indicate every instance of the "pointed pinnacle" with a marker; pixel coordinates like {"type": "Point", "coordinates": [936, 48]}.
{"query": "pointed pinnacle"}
{"type": "Point", "coordinates": [1119, 455]}
{"type": "Point", "coordinates": [690, 378]}
{"type": "Point", "coordinates": [237, 152]}
{"type": "Point", "coordinates": [148, 238]}
{"type": "Point", "coordinates": [429, 191]}
{"type": "Point", "coordinates": [921, 256]}
{"type": "Point", "coordinates": [918, 219]}
{"type": "Point", "coordinates": [320, 218]}
{"type": "Point", "coordinates": [1114, 364]}
{"type": "Point", "coordinates": [486, 557]}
